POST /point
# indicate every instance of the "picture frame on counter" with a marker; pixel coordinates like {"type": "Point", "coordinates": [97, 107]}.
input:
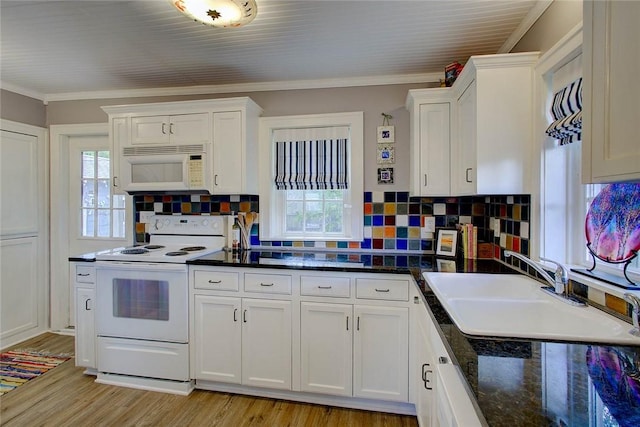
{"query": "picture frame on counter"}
{"type": "Point", "coordinates": [447, 242]}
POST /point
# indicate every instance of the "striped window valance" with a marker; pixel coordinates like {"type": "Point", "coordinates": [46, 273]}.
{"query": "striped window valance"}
{"type": "Point", "coordinates": [566, 111]}
{"type": "Point", "coordinates": [319, 164]}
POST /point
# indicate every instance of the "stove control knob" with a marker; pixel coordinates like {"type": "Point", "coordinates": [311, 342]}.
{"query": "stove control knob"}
{"type": "Point", "coordinates": [205, 223]}
{"type": "Point", "coordinates": [158, 224]}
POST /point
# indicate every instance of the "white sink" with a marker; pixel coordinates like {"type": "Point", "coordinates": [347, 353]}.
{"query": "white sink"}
{"type": "Point", "coordinates": [508, 305]}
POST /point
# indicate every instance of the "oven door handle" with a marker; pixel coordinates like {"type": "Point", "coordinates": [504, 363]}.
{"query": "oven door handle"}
{"type": "Point", "coordinates": [140, 266]}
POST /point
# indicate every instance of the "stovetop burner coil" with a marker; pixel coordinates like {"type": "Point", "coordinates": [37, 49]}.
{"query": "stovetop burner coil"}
{"type": "Point", "coordinates": [193, 248]}
{"type": "Point", "coordinates": [134, 251]}
{"type": "Point", "coordinates": [176, 253]}
{"type": "Point", "coordinates": [154, 246]}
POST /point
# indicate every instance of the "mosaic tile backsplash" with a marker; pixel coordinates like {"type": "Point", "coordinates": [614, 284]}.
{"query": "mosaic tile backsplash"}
{"type": "Point", "coordinates": [392, 220]}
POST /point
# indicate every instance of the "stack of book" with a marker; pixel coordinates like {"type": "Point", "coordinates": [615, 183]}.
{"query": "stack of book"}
{"type": "Point", "coordinates": [469, 241]}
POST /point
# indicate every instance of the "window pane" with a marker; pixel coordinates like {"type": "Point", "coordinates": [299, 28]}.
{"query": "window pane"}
{"type": "Point", "coordinates": [294, 217]}
{"type": "Point", "coordinates": [104, 196]}
{"type": "Point", "coordinates": [88, 222]}
{"type": "Point", "coordinates": [333, 217]}
{"type": "Point", "coordinates": [88, 164]}
{"type": "Point", "coordinates": [104, 223]}
{"type": "Point", "coordinates": [313, 195]}
{"type": "Point", "coordinates": [118, 202]}
{"type": "Point", "coordinates": [313, 221]}
{"type": "Point", "coordinates": [295, 194]}
{"type": "Point", "coordinates": [333, 194]}
{"type": "Point", "coordinates": [103, 164]}
{"type": "Point", "coordinates": [88, 193]}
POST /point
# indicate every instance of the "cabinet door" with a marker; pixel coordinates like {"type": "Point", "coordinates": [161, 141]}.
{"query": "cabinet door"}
{"type": "Point", "coordinates": [425, 369]}
{"type": "Point", "coordinates": [228, 156]}
{"type": "Point", "coordinates": [326, 348]}
{"type": "Point", "coordinates": [610, 148]}
{"type": "Point", "coordinates": [118, 137]}
{"type": "Point", "coordinates": [149, 130]}
{"type": "Point", "coordinates": [85, 344]}
{"type": "Point", "coordinates": [381, 353]}
{"type": "Point", "coordinates": [464, 165]}
{"type": "Point", "coordinates": [434, 150]}
{"type": "Point", "coordinates": [266, 343]}
{"type": "Point", "coordinates": [189, 128]}
{"type": "Point", "coordinates": [452, 404]}
{"type": "Point", "coordinates": [217, 338]}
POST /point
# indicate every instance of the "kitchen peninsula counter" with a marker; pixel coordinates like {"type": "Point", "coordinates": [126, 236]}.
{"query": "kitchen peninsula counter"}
{"type": "Point", "coordinates": [514, 382]}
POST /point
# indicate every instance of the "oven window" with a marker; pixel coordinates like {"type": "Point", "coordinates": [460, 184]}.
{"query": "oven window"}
{"type": "Point", "coordinates": [141, 299]}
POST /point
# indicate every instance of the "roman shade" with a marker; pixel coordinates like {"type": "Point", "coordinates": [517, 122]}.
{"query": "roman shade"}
{"type": "Point", "coordinates": [317, 164]}
{"type": "Point", "coordinates": [566, 112]}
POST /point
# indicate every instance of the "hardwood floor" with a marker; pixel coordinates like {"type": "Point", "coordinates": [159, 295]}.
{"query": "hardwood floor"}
{"type": "Point", "coordinates": [65, 396]}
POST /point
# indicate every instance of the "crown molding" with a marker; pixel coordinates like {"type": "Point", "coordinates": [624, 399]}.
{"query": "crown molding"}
{"type": "Point", "coordinates": [250, 87]}
{"type": "Point", "coordinates": [536, 12]}
{"type": "Point", "coordinates": [23, 91]}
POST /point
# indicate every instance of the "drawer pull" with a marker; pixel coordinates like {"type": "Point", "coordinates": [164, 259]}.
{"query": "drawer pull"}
{"type": "Point", "coordinates": [382, 290]}
{"type": "Point", "coordinates": [215, 282]}
{"type": "Point", "coordinates": [324, 287]}
{"type": "Point", "coordinates": [83, 274]}
{"type": "Point", "coordinates": [266, 284]}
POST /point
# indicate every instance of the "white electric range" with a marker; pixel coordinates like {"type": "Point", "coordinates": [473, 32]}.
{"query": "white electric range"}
{"type": "Point", "coordinates": [142, 310]}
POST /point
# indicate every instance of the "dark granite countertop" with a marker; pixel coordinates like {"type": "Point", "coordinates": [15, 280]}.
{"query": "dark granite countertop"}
{"type": "Point", "coordinates": [515, 382]}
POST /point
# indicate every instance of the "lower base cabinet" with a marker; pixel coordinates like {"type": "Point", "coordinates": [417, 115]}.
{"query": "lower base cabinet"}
{"type": "Point", "coordinates": [85, 343]}
{"type": "Point", "coordinates": [243, 341]}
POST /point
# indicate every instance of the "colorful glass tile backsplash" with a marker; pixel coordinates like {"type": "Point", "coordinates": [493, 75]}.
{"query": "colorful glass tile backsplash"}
{"type": "Point", "coordinates": [392, 220]}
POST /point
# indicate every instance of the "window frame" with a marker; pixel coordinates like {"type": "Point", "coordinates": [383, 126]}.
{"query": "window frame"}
{"type": "Point", "coordinates": [271, 203]}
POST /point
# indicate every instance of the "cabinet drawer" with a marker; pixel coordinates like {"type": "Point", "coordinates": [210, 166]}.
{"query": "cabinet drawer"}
{"type": "Point", "coordinates": [217, 280]}
{"type": "Point", "coordinates": [325, 286]}
{"type": "Point", "coordinates": [387, 289]}
{"type": "Point", "coordinates": [267, 283]}
{"type": "Point", "coordinates": [85, 274]}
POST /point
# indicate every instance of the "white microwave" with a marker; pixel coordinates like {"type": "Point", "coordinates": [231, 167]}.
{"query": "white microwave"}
{"type": "Point", "coordinates": [183, 172]}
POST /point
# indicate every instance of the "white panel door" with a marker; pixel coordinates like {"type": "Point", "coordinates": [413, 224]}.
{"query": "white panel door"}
{"type": "Point", "coordinates": [326, 333]}
{"type": "Point", "coordinates": [228, 156]}
{"type": "Point", "coordinates": [18, 184]}
{"type": "Point", "coordinates": [381, 353]}
{"type": "Point", "coordinates": [20, 300]}
{"type": "Point", "coordinates": [266, 343]}
{"type": "Point", "coordinates": [435, 149]}
{"type": "Point", "coordinates": [216, 339]}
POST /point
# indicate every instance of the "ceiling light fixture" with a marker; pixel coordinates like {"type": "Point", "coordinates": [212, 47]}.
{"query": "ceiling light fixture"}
{"type": "Point", "coordinates": [218, 13]}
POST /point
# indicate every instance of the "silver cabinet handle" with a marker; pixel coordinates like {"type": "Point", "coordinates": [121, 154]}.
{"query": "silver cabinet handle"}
{"type": "Point", "coordinates": [324, 287]}
{"type": "Point", "coordinates": [358, 324]}
{"type": "Point", "coordinates": [86, 304]}
{"type": "Point", "coordinates": [171, 128]}
{"type": "Point", "coordinates": [347, 323]}
{"type": "Point", "coordinates": [266, 284]}
{"type": "Point", "coordinates": [115, 184]}
{"type": "Point", "coordinates": [235, 312]}
{"type": "Point", "coordinates": [164, 130]}
{"type": "Point", "coordinates": [467, 174]}
{"type": "Point", "coordinates": [83, 274]}
{"type": "Point", "coordinates": [215, 282]}
{"type": "Point", "coordinates": [425, 380]}
{"type": "Point", "coordinates": [244, 316]}
{"type": "Point", "coordinates": [382, 290]}
{"type": "Point", "coordinates": [425, 180]}
{"type": "Point", "coordinates": [215, 180]}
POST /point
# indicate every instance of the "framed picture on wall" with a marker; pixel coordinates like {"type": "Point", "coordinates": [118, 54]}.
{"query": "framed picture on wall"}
{"type": "Point", "coordinates": [447, 242]}
{"type": "Point", "coordinates": [386, 134]}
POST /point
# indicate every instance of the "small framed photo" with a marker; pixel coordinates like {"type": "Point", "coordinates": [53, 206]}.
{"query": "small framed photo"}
{"type": "Point", "coordinates": [446, 265]}
{"type": "Point", "coordinates": [386, 134]}
{"type": "Point", "coordinates": [385, 175]}
{"type": "Point", "coordinates": [386, 154]}
{"type": "Point", "coordinates": [447, 242]}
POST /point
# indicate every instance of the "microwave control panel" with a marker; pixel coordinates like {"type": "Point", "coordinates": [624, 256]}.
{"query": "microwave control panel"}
{"type": "Point", "coordinates": [196, 171]}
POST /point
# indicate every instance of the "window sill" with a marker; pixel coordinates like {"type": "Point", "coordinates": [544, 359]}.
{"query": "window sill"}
{"type": "Point", "coordinates": [598, 284]}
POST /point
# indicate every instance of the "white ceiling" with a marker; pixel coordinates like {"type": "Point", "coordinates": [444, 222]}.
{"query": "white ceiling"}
{"type": "Point", "coordinates": [81, 49]}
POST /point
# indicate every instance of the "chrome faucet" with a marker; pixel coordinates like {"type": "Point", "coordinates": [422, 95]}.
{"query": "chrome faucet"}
{"type": "Point", "coordinates": [558, 283]}
{"type": "Point", "coordinates": [635, 312]}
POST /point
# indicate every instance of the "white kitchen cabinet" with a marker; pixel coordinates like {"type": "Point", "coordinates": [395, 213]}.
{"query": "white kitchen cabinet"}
{"type": "Point", "coordinates": [83, 276]}
{"type": "Point", "coordinates": [430, 138]}
{"type": "Point", "coordinates": [224, 131]}
{"type": "Point", "coordinates": [381, 352]}
{"type": "Point", "coordinates": [266, 343]}
{"type": "Point", "coordinates": [493, 148]}
{"type": "Point", "coordinates": [217, 338]}
{"type": "Point", "coordinates": [177, 129]}
{"type": "Point", "coordinates": [424, 369]}
{"type": "Point", "coordinates": [610, 148]}
{"type": "Point", "coordinates": [326, 336]}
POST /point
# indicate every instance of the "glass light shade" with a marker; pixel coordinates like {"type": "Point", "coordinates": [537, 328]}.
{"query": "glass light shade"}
{"type": "Point", "coordinates": [218, 13]}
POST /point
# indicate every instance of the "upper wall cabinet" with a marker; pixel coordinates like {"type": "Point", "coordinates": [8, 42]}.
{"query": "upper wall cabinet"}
{"type": "Point", "coordinates": [610, 143]}
{"type": "Point", "coordinates": [494, 110]}
{"type": "Point", "coordinates": [475, 137]}
{"type": "Point", "coordinates": [430, 112]}
{"type": "Point", "coordinates": [209, 145]}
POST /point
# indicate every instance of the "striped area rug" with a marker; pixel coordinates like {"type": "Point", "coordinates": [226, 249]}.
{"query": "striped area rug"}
{"type": "Point", "coordinates": [19, 366]}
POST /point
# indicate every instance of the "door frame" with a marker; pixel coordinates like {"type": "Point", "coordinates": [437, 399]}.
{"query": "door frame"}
{"type": "Point", "coordinates": [59, 237]}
